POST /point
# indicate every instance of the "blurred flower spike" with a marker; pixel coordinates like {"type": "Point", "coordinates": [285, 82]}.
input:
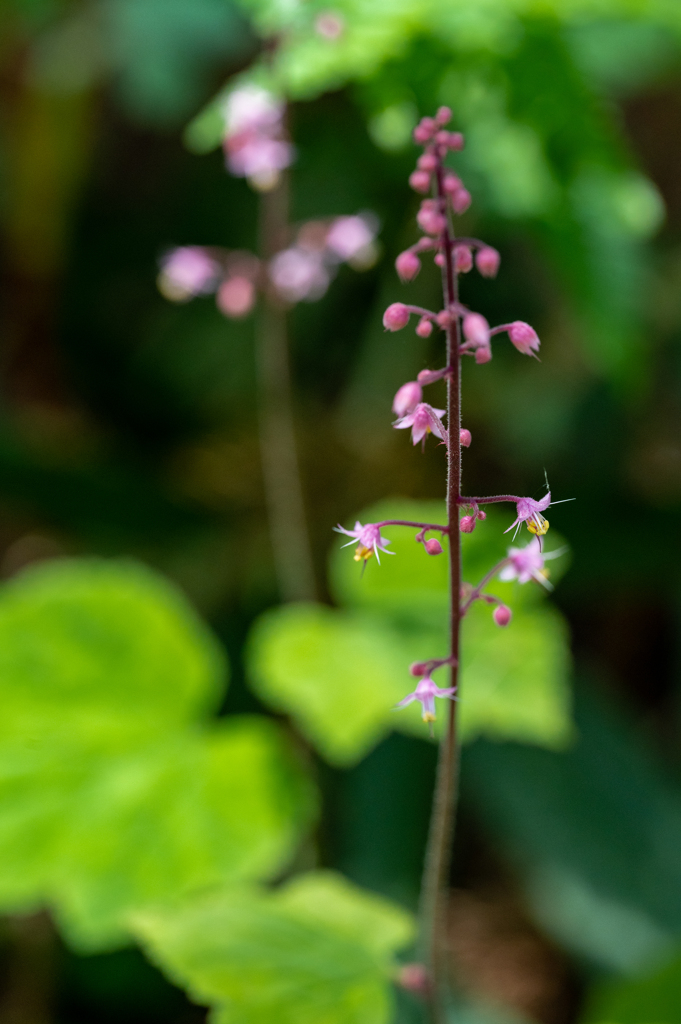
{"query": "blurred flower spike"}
{"type": "Point", "coordinates": [255, 142]}
{"type": "Point", "coordinates": [369, 538]}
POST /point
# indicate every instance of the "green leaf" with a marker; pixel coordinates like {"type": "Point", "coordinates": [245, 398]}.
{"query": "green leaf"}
{"type": "Point", "coordinates": [653, 997]}
{"type": "Point", "coordinates": [115, 789]}
{"type": "Point", "coordinates": [102, 649]}
{"type": "Point", "coordinates": [317, 951]}
{"type": "Point", "coordinates": [338, 675]}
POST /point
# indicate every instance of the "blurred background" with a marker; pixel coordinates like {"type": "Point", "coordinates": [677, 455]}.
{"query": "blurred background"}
{"type": "Point", "coordinates": [128, 425]}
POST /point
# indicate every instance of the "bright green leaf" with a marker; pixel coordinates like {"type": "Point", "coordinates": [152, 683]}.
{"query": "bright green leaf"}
{"type": "Point", "coordinates": [317, 951]}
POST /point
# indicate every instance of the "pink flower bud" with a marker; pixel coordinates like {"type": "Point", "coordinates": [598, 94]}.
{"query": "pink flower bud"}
{"type": "Point", "coordinates": [407, 398]}
{"type": "Point", "coordinates": [456, 140]}
{"type": "Point", "coordinates": [483, 354]}
{"type": "Point", "coordinates": [236, 297]}
{"type": "Point", "coordinates": [463, 259]}
{"type": "Point", "coordinates": [523, 337]}
{"type": "Point", "coordinates": [428, 124]}
{"type": "Point", "coordinates": [421, 134]}
{"type": "Point", "coordinates": [444, 319]}
{"type": "Point", "coordinates": [461, 200]}
{"type": "Point", "coordinates": [442, 138]}
{"type": "Point", "coordinates": [429, 219]}
{"type": "Point", "coordinates": [487, 261]}
{"type": "Point", "coordinates": [439, 259]}
{"type": "Point", "coordinates": [467, 524]}
{"type": "Point", "coordinates": [452, 183]}
{"type": "Point", "coordinates": [418, 668]}
{"type": "Point", "coordinates": [480, 514]}
{"type": "Point", "coordinates": [430, 376]}
{"type": "Point", "coordinates": [396, 317]}
{"type": "Point", "coordinates": [427, 162]}
{"type": "Point", "coordinates": [444, 115]}
{"type": "Point", "coordinates": [465, 438]}
{"type": "Point", "coordinates": [419, 181]}
{"type": "Point", "coordinates": [502, 615]}
{"type": "Point", "coordinates": [407, 265]}
{"type": "Point", "coordinates": [433, 546]}
{"type": "Point", "coordinates": [476, 329]}
{"type": "Point", "coordinates": [424, 328]}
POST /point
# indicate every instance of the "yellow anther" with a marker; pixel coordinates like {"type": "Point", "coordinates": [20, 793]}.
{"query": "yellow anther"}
{"type": "Point", "coordinates": [538, 529]}
{"type": "Point", "coordinates": [428, 716]}
{"type": "Point", "coordinates": [362, 553]}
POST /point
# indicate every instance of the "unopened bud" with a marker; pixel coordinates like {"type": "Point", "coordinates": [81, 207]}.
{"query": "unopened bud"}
{"type": "Point", "coordinates": [475, 329]}
{"type": "Point", "coordinates": [467, 524]}
{"type": "Point", "coordinates": [429, 220]}
{"type": "Point", "coordinates": [407, 265]}
{"type": "Point", "coordinates": [487, 261]}
{"type": "Point", "coordinates": [502, 615]}
{"type": "Point", "coordinates": [433, 546]}
{"type": "Point", "coordinates": [456, 140]}
{"type": "Point", "coordinates": [407, 398]}
{"type": "Point", "coordinates": [236, 297]}
{"type": "Point", "coordinates": [463, 259]}
{"type": "Point", "coordinates": [442, 138]}
{"type": "Point", "coordinates": [465, 437]}
{"type": "Point", "coordinates": [430, 376]}
{"type": "Point", "coordinates": [421, 134]}
{"type": "Point", "coordinates": [480, 514]}
{"type": "Point", "coordinates": [427, 162]}
{"type": "Point", "coordinates": [452, 183]}
{"type": "Point", "coordinates": [444, 115]}
{"type": "Point", "coordinates": [461, 200]}
{"type": "Point", "coordinates": [419, 181]}
{"type": "Point", "coordinates": [419, 668]}
{"type": "Point", "coordinates": [483, 354]}
{"type": "Point", "coordinates": [439, 259]}
{"type": "Point", "coordinates": [424, 328]}
{"type": "Point", "coordinates": [396, 317]}
{"type": "Point", "coordinates": [444, 319]}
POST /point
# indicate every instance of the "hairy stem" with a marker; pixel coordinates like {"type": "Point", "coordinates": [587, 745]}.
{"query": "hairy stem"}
{"type": "Point", "coordinates": [281, 474]}
{"type": "Point", "coordinates": [438, 853]}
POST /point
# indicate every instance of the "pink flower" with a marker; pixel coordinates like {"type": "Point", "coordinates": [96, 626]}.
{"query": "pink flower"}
{"type": "Point", "coordinates": [452, 183]}
{"type": "Point", "coordinates": [187, 272]}
{"type": "Point", "coordinates": [429, 219]}
{"type": "Point", "coordinates": [396, 317]}
{"type": "Point", "coordinates": [423, 420]}
{"type": "Point", "coordinates": [348, 236]}
{"type": "Point", "coordinates": [461, 200]}
{"type": "Point", "coordinates": [299, 274]}
{"type": "Point", "coordinates": [426, 692]}
{"type": "Point", "coordinates": [523, 337]}
{"type": "Point", "coordinates": [467, 524]}
{"type": "Point", "coordinates": [530, 511]}
{"type": "Point", "coordinates": [487, 261]}
{"type": "Point", "coordinates": [427, 162]}
{"type": "Point", "coordinates": [236, 296]}
{"type": "Point", "coordinates": [254, 143]}
{"type": "Point", "coordinates": [525, 564]}
{"type": "Point", "coordinates": [465, 437]}
{"type": "Point", "coordinates": [407, 398]}
{"type": "Point", "coordinates": [369, 538]}
{"type": "Point", "coordinates": [424, 328]}
{"type": "Point", "coordinates": [407, 265]}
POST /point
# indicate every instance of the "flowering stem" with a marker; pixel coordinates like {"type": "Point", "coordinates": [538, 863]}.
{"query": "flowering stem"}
{"type": "Point", "coordinates": [489, 501]}
{"type": "Point", "coordinates": [281, 474]}
{"type": "Point", "coordinates": [438, 853]}
{"type": "Point", "coordinates": [475, 593]}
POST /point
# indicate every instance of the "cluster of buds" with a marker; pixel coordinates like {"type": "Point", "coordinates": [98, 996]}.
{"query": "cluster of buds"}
{"type": "Point", "coordinates": [469, 333]}
{"type": "Point", "coordinates": [301, 272]}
